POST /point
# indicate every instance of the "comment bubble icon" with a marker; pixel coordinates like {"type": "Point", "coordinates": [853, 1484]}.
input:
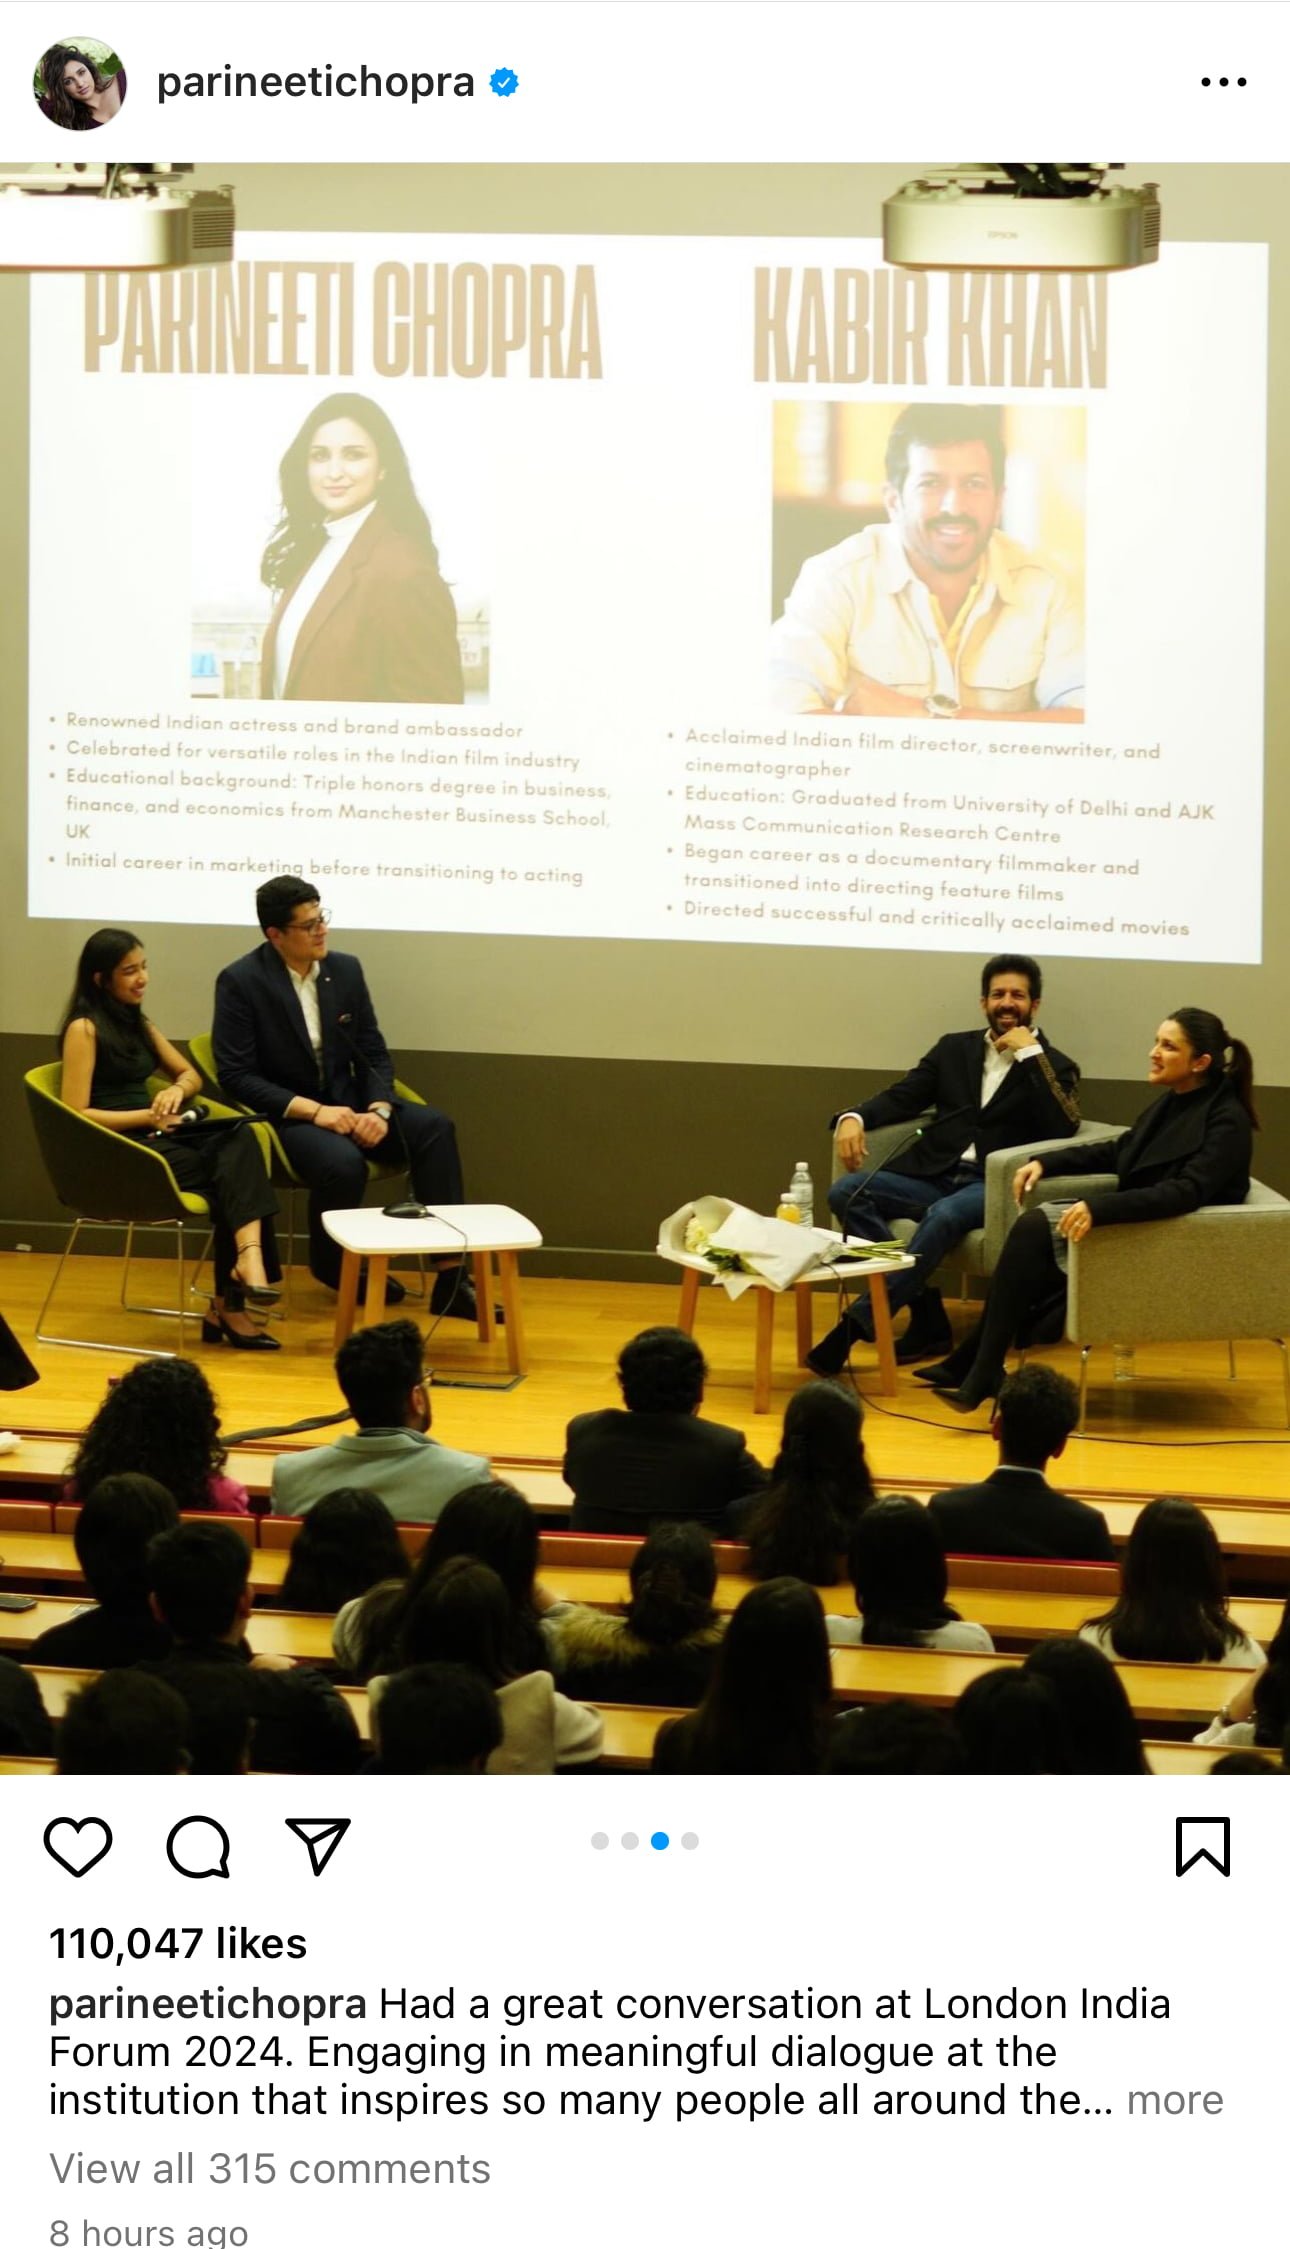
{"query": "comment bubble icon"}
{"type": "Point", "coordinates": [198, 1848]}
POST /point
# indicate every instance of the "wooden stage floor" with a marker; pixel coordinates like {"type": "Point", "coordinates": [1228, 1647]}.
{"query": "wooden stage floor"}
{"type": "Point", "coordinates": [1180, 1426]}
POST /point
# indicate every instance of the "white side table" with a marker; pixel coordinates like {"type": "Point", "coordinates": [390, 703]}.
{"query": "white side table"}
{"type": "Point", "coordinates": [873, 1271]}
{"type": "Point", "coordinates": [481, 1231]}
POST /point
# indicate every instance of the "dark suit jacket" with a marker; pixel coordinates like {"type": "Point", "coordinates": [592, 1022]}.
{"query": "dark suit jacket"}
{"type": "Point", "coordinates": [1036, 1101]}
{"type": "Point", "coordinates": [383, 629]}
{"type": "Point", "coordinates": [1185, 1150]}
{"type": "Point", "coordinates": [1016, 1512]}
{"type": "Point", "coordinates": [628, 1470]}
{"type": "Point", "coordinates": [262, 1052]}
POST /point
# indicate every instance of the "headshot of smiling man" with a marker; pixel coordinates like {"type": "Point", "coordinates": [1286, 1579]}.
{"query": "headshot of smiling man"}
{"type": "Point", "coordinates": [935, 613]}
{"type": "Point", "coordinates": [79, 84]}
{"type": "Point", "coordinates": [363, 614]}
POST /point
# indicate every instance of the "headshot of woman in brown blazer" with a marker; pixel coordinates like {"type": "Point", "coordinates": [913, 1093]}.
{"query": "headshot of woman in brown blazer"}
{"type": "Point", "coordinates": [363, 614]}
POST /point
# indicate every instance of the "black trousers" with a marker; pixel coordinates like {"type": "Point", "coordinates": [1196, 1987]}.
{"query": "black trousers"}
{"type": "Point", "coordinates": [335, 1171]}
{"type": "Point", "coordinates": [1025, 1277]}
{"type": "Point", "coordinates": [228, 1169]}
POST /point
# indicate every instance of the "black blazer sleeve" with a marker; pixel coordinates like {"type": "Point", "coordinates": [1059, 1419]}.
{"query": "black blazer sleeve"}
{"type": "Point", "coordinates": [1211, 1175]}
{"type": "Point", "coordinates": [1085, 1156]}
{"type": "Point", "coordinates": [238, 1062]}
{"type": "Point", "coordinates": [921, 1088]}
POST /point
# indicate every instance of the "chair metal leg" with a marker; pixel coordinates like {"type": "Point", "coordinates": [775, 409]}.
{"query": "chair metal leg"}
{"type": "Point", "coordinates": [1231, 1361]}
{"type": "Point", "coordinates": [125, 1268]}
{"type": "Point", "coordinates": [1280, 1343]}
{"type": "Point", "coordinates": [207, 1294]}
{"type": "Point", "coordinates": [1085, 1351]}
{"type": "Point", "coordinates": [83, 1342]}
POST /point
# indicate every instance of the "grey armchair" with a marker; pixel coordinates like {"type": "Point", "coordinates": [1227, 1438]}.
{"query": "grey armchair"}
{"type": "Point", "coordinates": [1219, 1275]}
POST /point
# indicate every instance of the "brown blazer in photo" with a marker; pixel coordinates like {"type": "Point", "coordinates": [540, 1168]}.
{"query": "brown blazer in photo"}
{"type": "Point", "coordinates": [383, 629]}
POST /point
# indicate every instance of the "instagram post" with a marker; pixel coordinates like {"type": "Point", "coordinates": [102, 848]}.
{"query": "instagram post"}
{"type": "Point", "coordinates": [649, 1119]}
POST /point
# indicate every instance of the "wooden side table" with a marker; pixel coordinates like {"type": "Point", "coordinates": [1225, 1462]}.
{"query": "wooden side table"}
{"type": "Point", "coordinates": [874, 1273]}
{"type": "Point", "coordinates": [484, 1232]}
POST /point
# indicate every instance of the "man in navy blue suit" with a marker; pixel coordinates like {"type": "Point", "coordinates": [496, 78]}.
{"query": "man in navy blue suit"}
{"type": "Point", "coordinates": [296, 1039]}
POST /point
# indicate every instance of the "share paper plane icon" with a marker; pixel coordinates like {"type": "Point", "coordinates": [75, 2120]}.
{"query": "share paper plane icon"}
{"type": "Point", "coordinates": [320, 1839]}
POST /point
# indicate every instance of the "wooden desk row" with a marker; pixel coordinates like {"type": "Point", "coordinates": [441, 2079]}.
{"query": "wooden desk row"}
{"type": "Point", "coordinates": [1013, 1619]}
{"type": "Point", "coordinates": [1170, 1694]}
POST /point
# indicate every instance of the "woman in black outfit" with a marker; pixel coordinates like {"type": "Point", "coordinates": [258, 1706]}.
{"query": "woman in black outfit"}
{"type": "Point", "coordinates": [110, 1049]}
{"type": "Point", "coordinates": [1190, 1148]}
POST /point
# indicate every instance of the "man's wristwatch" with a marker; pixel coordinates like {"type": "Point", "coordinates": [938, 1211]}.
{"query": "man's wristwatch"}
{"type": "Point", "coordinates": [942, 706]}
{"type": "Point", "coordinates": [380, 1109]}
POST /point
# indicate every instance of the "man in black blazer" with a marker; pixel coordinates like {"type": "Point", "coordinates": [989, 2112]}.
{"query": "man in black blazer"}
{"type": "Point", "coordinates": [296, 1039]}
{"type": "Point", "coordinates": [1000, 1088]}
{"type": "Point", "coordinates": [1016, 1511]}
{"type": "Point", "coordinates": [656, 1460]}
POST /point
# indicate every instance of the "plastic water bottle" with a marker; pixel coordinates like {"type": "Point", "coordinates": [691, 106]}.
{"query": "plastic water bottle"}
{"type": "Point", "coordinates": [787, 1208]}
{"type": "Point", "coordinates": [1122, 1362]}
{"type": "Point", "coordinates": [802, 1192]}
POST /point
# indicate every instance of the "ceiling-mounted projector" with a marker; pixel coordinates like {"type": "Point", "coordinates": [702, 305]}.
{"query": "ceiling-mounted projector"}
{"type": "Point", "coordinates": [110, 217]}
{"type": "Point", "coordinates": [1041, 216]}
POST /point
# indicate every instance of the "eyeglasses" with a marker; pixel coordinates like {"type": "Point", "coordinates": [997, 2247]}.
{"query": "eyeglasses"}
{"type": "Point", "coordinates": [320, 920]}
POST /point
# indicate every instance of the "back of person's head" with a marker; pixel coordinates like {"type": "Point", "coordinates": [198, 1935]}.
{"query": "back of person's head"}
{"type": "Point", "coordinates": [898, 1568]}
{"type": "Point", "coordinates": [378, 1369]}
{"type": "Point", "coordinates": [437, 1718]}
{"type": "Point", "coordinates": [1035, 1412]}
{"type": "Point", "coordinates": [771, 1687]}
{"type": "Point", "coordinates": [114, 1526]}
{"type": "Point", "coordinates": [1242, 1761]}
{"type": "Point", "coordinates": [124, 1722]}
{"type": "Point", "coordinates": [460, 1615]}
{"type": "Point", "coordinates": [277, 900]}
{"type": "Point", "coordinates": [1271, 1704]}
{"type": "Point", "coordinates": [197, 1577]}
{"type": "Point", "coordinates": [493, 1523]}
{"type": "Point", "coordinates": [662, 1370]}
{"type": "Point", "coordinates": [893, 1737]}
{"type": "Point", "coordinates": [301, 1725]}
{"type": "Point", "coordinates": [159, 1420]}
{"type": "Point", "coordinates": [673, 1578]}
{"type": "Point", "coordinates": [1101, 1730]}
{"type": "Point", "coordinates": [347, 1543]}
{"type": "Point", "coordinates": [217, 1698]}
{"type": "Point", "coordinates": [25, 1728]}
{"type": "Point", "coordinates": [820, 1486]}
{"type": "Point", "coordinates": [1173, 1599]}
{"type": "Point", "coordinates": [1010, 1721]}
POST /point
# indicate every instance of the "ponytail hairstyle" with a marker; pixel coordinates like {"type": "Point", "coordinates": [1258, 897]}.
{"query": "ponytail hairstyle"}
{"type": "Point", "coordinates": [1231, 1058]}
{"type": "Point", "coordinates": [674, 1576]}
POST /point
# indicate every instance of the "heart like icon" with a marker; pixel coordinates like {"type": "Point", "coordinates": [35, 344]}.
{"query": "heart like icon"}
{"type": "Point", "coordinates": [76, 1844]}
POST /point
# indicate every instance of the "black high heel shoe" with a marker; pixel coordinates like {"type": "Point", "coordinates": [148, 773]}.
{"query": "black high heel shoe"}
{"type": "Point", "coordinates": [263, 1298]}
{"type": "Point", "coordinates": [974, 1392]}
{"type": "Point", "coordinates": [215, 1329]}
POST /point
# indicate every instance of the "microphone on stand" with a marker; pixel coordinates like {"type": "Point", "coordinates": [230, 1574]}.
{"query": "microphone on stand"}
{"type": "Point", "coordinates": [967, 1109]}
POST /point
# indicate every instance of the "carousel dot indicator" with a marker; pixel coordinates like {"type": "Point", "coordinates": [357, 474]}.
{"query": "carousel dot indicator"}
{"type": "Point", "coordinates": [659, 1840]}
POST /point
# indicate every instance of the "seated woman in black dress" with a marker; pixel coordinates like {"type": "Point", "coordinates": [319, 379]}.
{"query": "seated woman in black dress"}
{"type": "Point", "coordinates": [1191, 1147]}
{"type": "Point", "coordinates": [110, 1050]}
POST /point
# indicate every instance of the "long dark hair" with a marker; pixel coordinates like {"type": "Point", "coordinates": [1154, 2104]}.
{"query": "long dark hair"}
{"type": "Point", "coordinates": [1100, 1725]}
{"type": "Point", "coordinates": [820, 1487]}
{"type": "Point", "coordinates": [1173, 1598]}
{"type": "Point", "coordinates": [766, 1708]}
{"type": "Point", "coordinates": [1232, 1060]}
{"type": "Point", "coordinates": [346, 1544]}
{"type": "Point", "coordinates": [898, 1569]}
{"type": "Point", "coordinates": [160, 1421]}
{"type": "Point", "coordinates": [490, 1523]}
{"type": "Point", "coordinates": [674, 1576]}
{"type": "Point", "coordinates": [460, 1615]}
{"type": "Point", "coordinates": [119, 1028]}
{"type": "Point", "coordinates": [73, 116]}
{"type": "Point", "coordinates": [301, 526]}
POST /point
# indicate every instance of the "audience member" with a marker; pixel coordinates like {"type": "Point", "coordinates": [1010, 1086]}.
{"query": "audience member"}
{"type": "Point", "coordinates": [347, 1543]}
{"type": "Point", "coordinates": [1011, 1721]}
{"type": "Point", "coordinates": [663, 1649]}
{"type": "Point", "coordinates": [819, 1488]}
{"type": "Point", "coordinates": [114, 1525]}
{"type": "Point", "coordinates": [652, 1457]}
{"type": "Point", "coordinates": [897, 1565]}
{"type": "Point", "coordinates": [382, 1375]}
{"type": "Point", "coordinates": [462, 1613]}
{"type": "Point", "coordinates": [1172, 1606]}
{"type": "Point", "coordinates": [767, 1708]}
{"type": "Point", "coordinates": [1258, 1709]}
{"type": "Point", "coordinates": [436, 1718]}
{"type": "Point", "coordinates": [25, 1729]}
{"type": "Point", "coordinates": [1241, 1761]}
{"type": "Point", "coordinates": [1101, 1730]}
{"type": "Point", "coordinates": [491, 1523]}
{"type": "Point", "coordinates": [893, 1737]}
{"type": "Point", "coordinates": [124, 1722]}
{"type": "Point", "coordinates": [198, 1583]}
{"type": "Point", "coordinates": [1016, 1510]}
{"type": "Point", "coordinates": [160, 1420]}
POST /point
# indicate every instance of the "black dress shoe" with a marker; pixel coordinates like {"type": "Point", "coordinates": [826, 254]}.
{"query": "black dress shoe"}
{"type": "Point", "coordinates": [929, 1329]}
{"type": "Point", "coordinates": [394, 1290]}
{"type": "Point", "coordinates": [831, 1354]}
{"type": "Point", "coordinates": [453, 1296]}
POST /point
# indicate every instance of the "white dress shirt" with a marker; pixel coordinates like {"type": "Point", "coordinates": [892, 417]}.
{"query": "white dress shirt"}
{"type": "Point", "coordinates": [307, 994]}
{"type": "Point", "coordinates": [340, 537]}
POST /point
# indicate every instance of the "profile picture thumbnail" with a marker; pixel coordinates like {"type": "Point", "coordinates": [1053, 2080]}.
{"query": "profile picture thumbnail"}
{"type": "Point", "coordinates": [79, 84]}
